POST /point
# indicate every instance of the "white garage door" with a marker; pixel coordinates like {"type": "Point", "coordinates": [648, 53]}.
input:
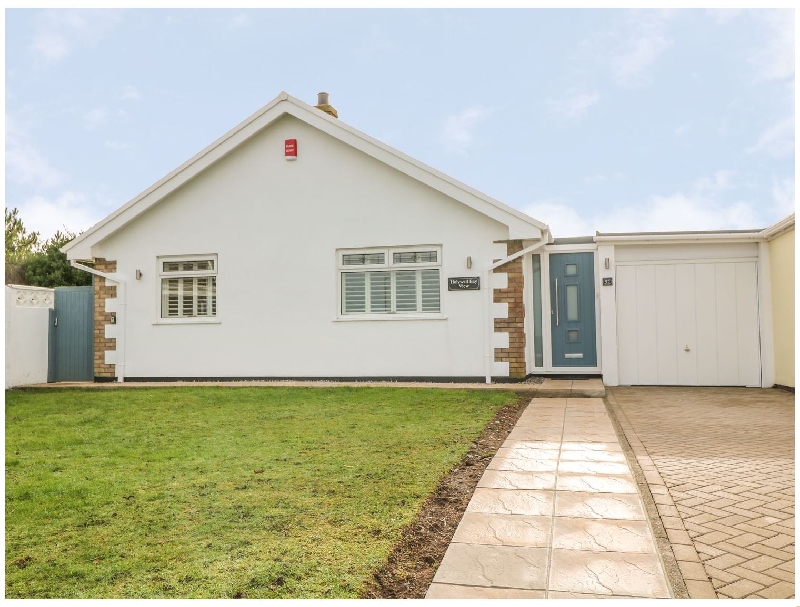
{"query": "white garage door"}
{"type": "Point", "coordinates": [689, 324]}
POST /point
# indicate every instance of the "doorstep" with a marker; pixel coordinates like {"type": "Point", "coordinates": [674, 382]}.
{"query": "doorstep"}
{"type": "Point", "coordinates": [571, 388]}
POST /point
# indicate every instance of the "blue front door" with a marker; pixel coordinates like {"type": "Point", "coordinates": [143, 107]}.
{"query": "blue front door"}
{"type": "Point", "coordinates": [572, 310]}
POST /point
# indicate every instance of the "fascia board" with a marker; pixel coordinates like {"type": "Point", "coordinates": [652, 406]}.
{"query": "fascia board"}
{"type": "Point", "coordinates": [778, 228]}
{"type": "Point", "coordinates": [561, 248]}
{"type": "Point", "coordinates": [677, 238]}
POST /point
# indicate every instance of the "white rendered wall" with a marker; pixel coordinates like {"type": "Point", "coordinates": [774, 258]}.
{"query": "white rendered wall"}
{"type": "Point", "coordinates": [275, 226]}
{"type": "Point", "coordinates": [27, 325]}
{"type": "Point", "coordinates": [608, 315]}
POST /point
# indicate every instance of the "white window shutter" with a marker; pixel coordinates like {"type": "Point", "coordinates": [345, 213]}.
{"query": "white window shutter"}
{"type": "Point", "coordinates": [406, 290]}
{"type": "Point", "coordinates": [380, 292]}
{"type": "Point", "coordinates": [354, 296]}
{"type": "Point", "coordinates": [430, 290]}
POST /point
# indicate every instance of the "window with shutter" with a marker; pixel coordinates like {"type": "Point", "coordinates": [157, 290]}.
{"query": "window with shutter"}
{"type": "Point", "coordinates": [402, 280]}
{"type": "Point", "coordinates": [188, 287]}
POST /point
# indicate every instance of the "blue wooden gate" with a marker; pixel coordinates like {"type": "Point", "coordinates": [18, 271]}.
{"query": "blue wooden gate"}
{"type": "Point", "coordinates": [71, 340]}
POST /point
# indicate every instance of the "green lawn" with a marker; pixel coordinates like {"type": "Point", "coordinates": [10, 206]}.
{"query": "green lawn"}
{"type": "Point", "coordinates": [221, 492]}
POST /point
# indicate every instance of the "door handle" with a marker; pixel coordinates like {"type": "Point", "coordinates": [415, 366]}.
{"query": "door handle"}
{"type": "Point", "coordinates": [556, 301]}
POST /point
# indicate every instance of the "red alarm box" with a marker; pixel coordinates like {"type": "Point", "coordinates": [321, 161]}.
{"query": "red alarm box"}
{"type": "Point", "coordinates": [290, 149]}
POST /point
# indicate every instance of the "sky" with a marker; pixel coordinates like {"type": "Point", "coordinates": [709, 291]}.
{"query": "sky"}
{"type": "Point", "coordinates": [588, 120]}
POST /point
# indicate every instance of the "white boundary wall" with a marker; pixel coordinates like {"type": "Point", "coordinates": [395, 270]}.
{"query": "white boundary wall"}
{"type": "Point", "coordinates": [27, 325]}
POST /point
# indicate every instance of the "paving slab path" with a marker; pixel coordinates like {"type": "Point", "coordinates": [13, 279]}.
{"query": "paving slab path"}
{"type": "Point", "coordinates": [719, 463]}
{"type": "Point", "coordinates": [556, 514]}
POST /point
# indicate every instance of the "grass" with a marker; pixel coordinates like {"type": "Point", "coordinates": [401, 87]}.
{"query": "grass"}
{"type": "Point", "coordinates": [221, 492]}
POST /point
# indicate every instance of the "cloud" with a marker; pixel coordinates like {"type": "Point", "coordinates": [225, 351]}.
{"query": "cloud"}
{"type": "Point", "coordinates": [783, 195]}
{"type": "Point", "coordinates": [677, 212]}
{"type": "Point", "coordinates": [682, 129]}
{"type": "Point", "coordinates": [100, 117]}
{"type": "Point", "coordinates": [777, 140]}
{"type": "Point", "coordinates": [375, 43]}
{"type": "Point", "coordinates": [25, 163]}
{"type": "Point", "coordinates": [130, 92]}
{"type": "Point", "coordinates": [573, 107]}
{"type": "Point", "coordinates": [58, 32]}
{"type": "Point", "coordinates": [117, 146]}
{"type": "Point", "coordinates": [240, 20]}
{"type": "Point", "coordinates": [563, 219]}
{"type": "Point", "coordinates": [51, 46]}
{"type": "Point", "coordinates": [723, 15]}
{"type": "Point", "coordinates": [697, 210]}
{"type": "Point", "coordinates": [775, 60]}
{"type": "Point", "coordinates": [70, 209]}
{"type": "Point", "coordinates": [598, 178]}
{"type": "Point", "coordinates": [644, 38]}
{"type": "Point", "coordinates": [721, 180]}
{"type": "Point", "coordinates": [458, 133]}
{"type": "Point", "coordinates": [94, 119]}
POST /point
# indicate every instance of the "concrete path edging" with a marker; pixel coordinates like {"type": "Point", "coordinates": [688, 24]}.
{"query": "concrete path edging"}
{"type": "Point", "coordinates": [637, 458]}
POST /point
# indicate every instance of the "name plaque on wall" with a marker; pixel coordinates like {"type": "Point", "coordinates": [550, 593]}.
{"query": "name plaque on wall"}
{"type": "Point", "coordinates": [464, 283]}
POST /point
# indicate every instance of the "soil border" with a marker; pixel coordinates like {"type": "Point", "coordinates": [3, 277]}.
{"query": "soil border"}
{"type": "Point", "coordinates": [414, 559]}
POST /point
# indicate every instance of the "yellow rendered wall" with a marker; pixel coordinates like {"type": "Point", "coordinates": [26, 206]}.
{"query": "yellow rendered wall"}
{"type": "Point", "coordinates": [781, 262]}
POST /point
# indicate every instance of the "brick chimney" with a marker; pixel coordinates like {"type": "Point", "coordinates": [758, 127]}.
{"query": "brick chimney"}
{"type": "Point", "coordinates": [322, 104]}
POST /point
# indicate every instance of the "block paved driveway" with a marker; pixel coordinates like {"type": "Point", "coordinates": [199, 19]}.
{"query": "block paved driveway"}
{"type": "Point", "coordinates": [720, 465]}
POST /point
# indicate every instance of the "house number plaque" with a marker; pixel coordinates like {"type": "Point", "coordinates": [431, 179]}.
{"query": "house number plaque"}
{"type": "Point", "coordinates": [464, 283]}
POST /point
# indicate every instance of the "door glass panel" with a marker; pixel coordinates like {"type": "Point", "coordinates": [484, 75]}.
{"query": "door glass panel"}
{"type": "Point", "coordinates": [572, 302]}
{"type": "Point", "coordinates": [538, 352]}
{"type": "Point", "coordinates": [573, 335]}
{"type": "Point", "coordinates": [571, 269]}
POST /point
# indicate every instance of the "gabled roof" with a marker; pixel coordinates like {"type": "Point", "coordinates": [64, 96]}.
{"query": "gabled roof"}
{"type": "Point", "coordinates": [520, 226]}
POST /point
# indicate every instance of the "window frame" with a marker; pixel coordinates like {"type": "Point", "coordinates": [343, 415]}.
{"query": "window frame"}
{"type": "Point", "coordinates": [391, 267]}
{"type": "Point", "coordinates": [160, 275]}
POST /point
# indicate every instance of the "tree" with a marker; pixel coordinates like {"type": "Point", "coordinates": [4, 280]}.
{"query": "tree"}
{"type": "Point", "coordinates": [20, 244]}
{"type": "Point", "coordinates": [49, 267]}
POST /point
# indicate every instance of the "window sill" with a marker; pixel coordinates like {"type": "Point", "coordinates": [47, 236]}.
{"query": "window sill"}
{"type": "Point", "coordinates": [188, 321]}
{"type": "Point", "coordinates": [370, 317]}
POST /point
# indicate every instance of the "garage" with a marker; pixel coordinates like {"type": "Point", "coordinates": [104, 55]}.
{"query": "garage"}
{"type": "Point", "coordinates": [690, 322]}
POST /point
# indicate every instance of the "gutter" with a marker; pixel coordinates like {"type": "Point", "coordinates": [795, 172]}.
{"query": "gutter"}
{"type": "Point", "coordinates": [488, 351]}
{"type": "Point", "coordinates": [120, 365]}
{"type": "Point", "coordinates": [676, 238]}
{"type": "Point", "coordinates": [778, 228]}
